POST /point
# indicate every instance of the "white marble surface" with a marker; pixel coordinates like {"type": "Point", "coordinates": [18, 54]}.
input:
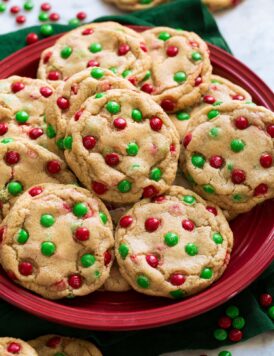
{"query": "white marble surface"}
{"type": "Point", "coordinates": [249, 31]}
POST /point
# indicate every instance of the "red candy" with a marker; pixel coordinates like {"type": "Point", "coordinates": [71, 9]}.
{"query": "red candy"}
{"type": "Point", "coordinates": [261, 189]}
{"type": "Point", "coordinates": [172, 148]}
{"type": "Point", "coordinates": [45, 6]}
{"type": "Point", "coordinates": [35, 191]}
{"type": "Point", "coordinates": [143, 47]}
{"type": "Point", "coordinates": [99, 188]}
{"type": "Point", "coordinates": [12, 157]}
{"type": "Point", "coordinates": [3, 128]}
{"type": "Point", "coordinates": [87, 31]}
{"type": "Point", "coordinates": [93, 63]}
{"type": "Point", "coordinates": [25, 268]}
{"type": "Point", "coordinates": [89, 142]}
{"type": "Point", "coordinates": [126, 221]}
{"type": "Point", "coordinates": [46, 91]}
{"type": "Point", "coordinates": [14, 348]}
{"type": "Point", "coordinates": [47, 57]}
{"type": "Point", "coordinates": [238, 97]}
{"type": "Point", "coordinates": [120, 123]}
{"type": "Point", "coordinates": [32, 38]}
{"type": "Point", "coordinates": [123, 49]}
{"type": "Point", "coordinates": [265, 300]}
{"type": "Point", "coordinates": [147, 88]}
{"type": "Point", "coordinates": [152, 260]}
{"type": "Point", "coordinates": [150, 191]}
{"type": "Point", "coordinates": [133, 80]}
{"type": "Point", "coordinates": [82, 234]}
{"type": "Point", "coordinates": [224, 322]}
{"type": "Point", "coordinates": [212, 210]}
{"type": "Point", "coordinates": [54, 17]}
{"type": "Point", "coordinates": [156, 123]}
{"type": "Point", "coordinates": [63, 103]}
{"type": "Point", "coordinates": [235, 335]}
{"type": "Point", "coordinates": [35, 133]}
{"type": "Point", "coordinates": [54, 75]}
{"type": "Point", "coordinates": [53, 342]}
{"type": "Point", "coordinates": [238, 176]}
{"type": "Point", "coordinates": [152, 224]}
{"type": "Point", "coordinates": [188, 224]}
{"type": "Point", "coordinates": [266, 160]}
{"type": "Point", "coordinates": [209, 99]}
{"type": "Point", "coordinates": [15, 9]}
{"type": "Point", "coordinates": [112, 159]}
{"type": "Point", "coordinates": [53, 167]}
{"type": "Point", "coordinates": [270, 130]}
{"type": "Point", "coordinates": [75, 281]}
{"type": "Point", "coordinates": [198, 81]}
{"type": "Point", "coordinates": [168, 104]}
{"type": "Point", "coordinates": [177, 279]}
{"type": "Point", "coordinates": [241, 123]}
{"type": "Point", "coordinates": [159, 199]}
{"type": "Point", "coordinates": [81, 15]}
{"type": "Point", "coordinates": [107, 258]}
{"type": "Point", "coordinates": [78, 115]}
{"type": "Point", "coordinates": [172, 51]}
{"type": "Point", "coordinates": [2, 230]}
{"type": "Point", "coordinates": [20, 19]}
{"type": "Point", "coordinates": [187, 139]}
{"type": "Point", "coordinates": [216, 161]}
{"type": "Point", "coordinates": [17, 86]}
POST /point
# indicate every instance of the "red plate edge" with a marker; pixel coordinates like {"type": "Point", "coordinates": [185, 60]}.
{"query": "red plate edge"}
{"type": "Point", "coordinates": [168, 314]}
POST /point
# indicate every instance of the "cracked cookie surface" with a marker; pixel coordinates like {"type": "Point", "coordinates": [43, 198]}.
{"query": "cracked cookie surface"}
{"type": "Point", "coordinates": [173, 246]}
{"type": "Point", "coordinates": [123, 146]}
{"type": "Point", "coordinates": [57, 241]}
{"type": "Point", "coordinates": [10, 347]}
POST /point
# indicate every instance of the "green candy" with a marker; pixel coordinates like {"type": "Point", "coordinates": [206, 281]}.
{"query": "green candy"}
{"type": "Point", "coordinates": [74, 22]}
{"type": "Point", "coordinates": [270, 312]}
{"type": "Point", "coordinates": [95, 48]}
{"type": "Point", "coordinates": [206, 273]}
{"type": "Point", "coordinates": [126, 73]}
{"type": "Point", "coordinates": [97, 73]}
{"type": "Point", "coordinates": [212, 114]}
{"type": "Point", "coordinates": [123, 251]}
{"type": "Point", "coordinates": [208, 188]}
{"type": "Point", "coordinates": [87, 260]}
{"type": "Point", "coordinates": [225, 353]}
{"type": "Point", "coordinates": [48, 248]}
{"type": "Point", "coordinates": [164, 36]}
{"type": "Point", "coordinates": [3, 7]}
{"type": "Point", "coordinates": [145, 2]}
{"type": "Point", "coordinates": [147, 76]}
{"type": "Point", "coordinates": [238, 323]}
{"type": "Point", "coordinates": [237, 145]}
{"type": "Point", "coordinates": [124, 186]}
{"type": "Point", "coordinates": [171, 239]}
{"type": "Point", "coordinates": [218, 238]}
{"type": "Point", "coordinates": [220, 334]}
{"type": "Point", "coordinates": [132, 149]}
{"type": "Point", "coordinates": [230, 166]}
{"type": "Point", "coordinates": [47, 220]}
{"type": "Point", "coordinates": [68, 142]}
{"type": "Point", "coordinates": [61, 353]}
{"type": "Point", "coordinates": [191, 249]}
{"type": "Point", "coordinates": [43, 17]}
{"type": "Point", "coordinates": [182, 116]}
{"type": "Point", "coordinates": [113, 70]}
{"type": "Point", "coordinates": [7, 140]}
{"type": "Point", "coordinates": [143, 281]}
{"type": "Point", "coordinates": [60, 144]}
{"type": "Point", "coordinates": [99, 95]}
{"type": "Point", "coordinates": [21, 117]}
{"type": "Point", "coordinates": [217, 103]}
{"type": "Point", "coordinates": [177, 294]}
{"type": "Point", "coordinates": [22, 236]}
{"type": "Point", "coordinates": [137, 115]}
{"type": "Point", "coordinates": [103, 217]}
{"type": "Point", "coordinates": [113, 107]}
{"type": "Point", "coordinates": [80, 210]}
{"type": "Point", "coordinates": [51, 133]}
{"type": "Point", "coordinates": [46, 30]}
{"type": "Point", "coordinates": [232, 311]}
{"type": "Point", "coordinates": [15, 188]}
{"type": "Point", "coordinates": [66, 52]}
{"type": "Point", "coordinates": [155, 174]}
{"type": "Point", "coordinates": [237, 197]}
{"type": "Point", "coordinates": [28, 5]}
{"type": "Point", "coordinates": [196, 56]}
{"type": "Point", "coordinates": [180, 77]}
{"type": "Point", "coordinates": [198, 160]}
{"type": "Point", "coordinates": [189, 199]}
{"type": "Point", "coordinates": [214, 132]}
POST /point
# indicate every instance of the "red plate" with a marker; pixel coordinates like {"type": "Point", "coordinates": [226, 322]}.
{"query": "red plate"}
{"type": "Point", "coordinates": [252, 253]}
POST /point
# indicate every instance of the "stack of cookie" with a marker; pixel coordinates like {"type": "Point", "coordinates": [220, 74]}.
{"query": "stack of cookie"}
{"type": "Point", "coordinates": [122, 109]}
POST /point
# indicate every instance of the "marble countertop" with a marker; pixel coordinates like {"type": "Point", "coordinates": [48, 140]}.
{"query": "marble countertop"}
{"type": "Point", "coordinates": [249, 30]}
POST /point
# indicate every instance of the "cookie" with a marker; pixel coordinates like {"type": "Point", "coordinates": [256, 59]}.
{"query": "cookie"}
{"type": "Point", "coordinates": [70, 96]}
{"type": "Point", "coordinates": [10, 347]}
{"type": "Point", "coordinates": [216, 5]}
{"type": "Point", "coordinates": [24, 164]}
{"type": "Point", "coordinates": [123, 146]}
{"type": "Point", "coordinates": [22, 110]}
{"type": "Point", "coordinates": [173, 246]}
{"type": "Point", "coordinates": [228, 155]}
{"type": "Point", "coordinates": [115, 282]}
{"type": "Point", "coordinates": [133, 5]}
{"type": "Point", "coordinates": [57, 241]}
{"type": "Point", "coordinates": [180, 69]}
{"type": "Point", "coordinates": [55, 345]}
{"type": "Point", "coordinates": [220, 91]}
{"type": "Point", "coordinates": [109, 45]}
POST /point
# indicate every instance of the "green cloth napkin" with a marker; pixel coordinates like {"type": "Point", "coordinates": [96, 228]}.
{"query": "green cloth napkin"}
{"type": "Point", "coordinates": [191, 334]}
